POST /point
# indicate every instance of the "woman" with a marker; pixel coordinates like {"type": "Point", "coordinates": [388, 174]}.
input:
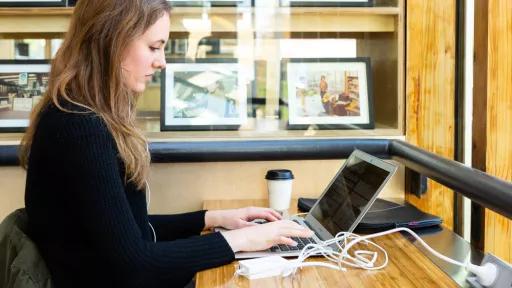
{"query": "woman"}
{"type": "Point", "coordinates": [87, 164]}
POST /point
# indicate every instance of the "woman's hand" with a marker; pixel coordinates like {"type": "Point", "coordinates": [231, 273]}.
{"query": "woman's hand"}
{"type": "Point", "coordinates": [264, 236]}
{"type": "Point", "coordinates": [239, 218]}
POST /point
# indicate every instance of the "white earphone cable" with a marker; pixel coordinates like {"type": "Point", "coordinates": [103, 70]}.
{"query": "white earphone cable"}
{"type": "Point", "coordinates": [148, 201]}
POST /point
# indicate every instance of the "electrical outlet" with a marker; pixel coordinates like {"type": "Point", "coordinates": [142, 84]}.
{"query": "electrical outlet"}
{"type": "Point", "coordinates": [415, 183]}
{"type": "Point", "coordinates": [504, 277]}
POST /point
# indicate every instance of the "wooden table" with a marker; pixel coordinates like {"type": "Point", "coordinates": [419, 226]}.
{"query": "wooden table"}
{"type": "Point", "coordinates": [407, 266]}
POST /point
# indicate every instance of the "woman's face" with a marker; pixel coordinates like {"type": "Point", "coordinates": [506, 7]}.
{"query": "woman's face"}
{"type": "Point", "coordinates": [145, 55]}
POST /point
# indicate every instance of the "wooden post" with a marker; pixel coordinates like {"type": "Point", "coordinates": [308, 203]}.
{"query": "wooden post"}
{"type": "Point", "coordinates": [430, 92]}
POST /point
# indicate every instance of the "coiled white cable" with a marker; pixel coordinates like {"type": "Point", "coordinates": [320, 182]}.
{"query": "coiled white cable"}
{"type": "Point", "coordinates": [366, 259]}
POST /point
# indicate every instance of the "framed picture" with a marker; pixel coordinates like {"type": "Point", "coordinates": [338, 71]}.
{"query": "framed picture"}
{"type": "Point", "coordinates": [22, 85]}
{"type": "Point", "coordinates": [208, 3]}
{"type": "Point", "coordinates": [326, 3]}
{"type": "Point", "coordinates": [205, 95]}
{"type": "Point", "coordinates": [331, 93]}
{"type": "Point", "coordinates": [32, 3]}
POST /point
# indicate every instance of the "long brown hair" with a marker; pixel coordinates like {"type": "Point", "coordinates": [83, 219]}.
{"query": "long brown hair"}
{"type": "Point", "coordinates": [87, 71]}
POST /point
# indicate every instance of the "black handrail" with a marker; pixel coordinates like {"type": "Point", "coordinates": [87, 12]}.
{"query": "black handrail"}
{"type": "Point", "coordinates": [9, 155]}
{"type": "Point", "coordinates": [489, 191]}
{"type": "Point", "coordinates": [264, 150]}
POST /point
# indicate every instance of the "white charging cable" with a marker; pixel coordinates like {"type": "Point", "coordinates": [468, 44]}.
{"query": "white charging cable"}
{"type": "Point", "coordinates": [485, 274]}
{"type": "Point", "coordinates": [366, 259]}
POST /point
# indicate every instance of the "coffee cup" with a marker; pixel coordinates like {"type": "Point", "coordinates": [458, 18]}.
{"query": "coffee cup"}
{"type": "Point", "coordinates": [279, 183]}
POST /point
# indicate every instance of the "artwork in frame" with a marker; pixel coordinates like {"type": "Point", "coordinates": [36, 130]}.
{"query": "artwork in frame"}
{"type": "Point", "coordinates": [204, 95]}
{"type": "Point", "coordinates": [326, 3]}
{"type": "Point", "coordinates": [330, 93]}
{"type": "Point", "coordinates": [22, 85]}
{"type": "Point", "coordinates": [32, 3]}
{"type": "Point", "coordinates": [210, 3]}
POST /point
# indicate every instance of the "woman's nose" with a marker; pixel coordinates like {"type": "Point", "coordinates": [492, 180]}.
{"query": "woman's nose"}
{"type": "Point", "coordinates": [159, 62]}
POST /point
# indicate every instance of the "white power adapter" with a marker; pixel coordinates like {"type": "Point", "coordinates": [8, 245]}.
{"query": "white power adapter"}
{"type": "Point", "coordinates": [262, 267]}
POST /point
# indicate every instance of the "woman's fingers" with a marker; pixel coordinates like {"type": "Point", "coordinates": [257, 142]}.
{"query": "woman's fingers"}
{"type": "Point", "coordinates": [255, 237]}
{"type": "Point", "coordinates": [242, 224]}
{"type": "Point", "coordinates": [275, 214]}
{"type": "Point", "coordinates": [291, 229]}
{"type": "Point", "coordinates": [264, 213]}
{"type": "Point", "coordinates": [285, 238]}
{"type": "Point", "coordinates": [306, 233]}
{"type": "Point", "coordinates": [269, 216]}
{"type": "Point", "coordinates": [297, 232]}
{"type": "Point", "coordinates": [287, 241]}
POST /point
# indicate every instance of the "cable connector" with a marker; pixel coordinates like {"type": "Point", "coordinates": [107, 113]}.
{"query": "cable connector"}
{"type": "Point", "coordinates": [503, 276]}
{"type": "Point", "coordinates": [485, 274]}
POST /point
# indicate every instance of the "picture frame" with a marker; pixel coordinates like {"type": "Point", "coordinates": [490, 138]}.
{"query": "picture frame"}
{"type": "Point", "coordinates": [22, 85]}
{"type": "Point", "coordinates": [33, 3]}
{"type": "Point", "coordinates": [326, 3]}
{"type": "Point", "coordinates": [210, 3]}
{"type": "Point", "coordinates": [208, 94]}
{"type": "Point", "coordinates": [329, 93]}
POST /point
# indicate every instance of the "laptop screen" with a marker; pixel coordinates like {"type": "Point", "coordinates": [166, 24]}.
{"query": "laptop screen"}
{"type": "Point", "coordinates": [348, 195]}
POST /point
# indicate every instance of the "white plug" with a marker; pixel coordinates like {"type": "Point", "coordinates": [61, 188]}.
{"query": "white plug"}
{"type": "Point", "coordinates": [485, 274]}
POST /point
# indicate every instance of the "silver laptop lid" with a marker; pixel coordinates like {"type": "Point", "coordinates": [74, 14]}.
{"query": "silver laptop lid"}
{"type": "Point", "coordinates": [349, 195]}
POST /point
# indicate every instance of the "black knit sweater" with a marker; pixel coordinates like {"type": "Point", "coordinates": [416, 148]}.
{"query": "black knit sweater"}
{"type": "Point", "coordinates": [91, 227]}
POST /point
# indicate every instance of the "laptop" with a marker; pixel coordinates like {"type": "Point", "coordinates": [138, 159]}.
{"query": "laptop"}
{"type": "Point", "coordinates": [341, 206]}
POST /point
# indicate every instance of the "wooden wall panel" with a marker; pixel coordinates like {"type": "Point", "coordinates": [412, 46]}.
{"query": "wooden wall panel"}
{"type": "Point", "coordinates": [430, 91]}
{"type": "Point", "coordinates": [498, 229]}
{"type": "Point", "coordinates": [181, 187]}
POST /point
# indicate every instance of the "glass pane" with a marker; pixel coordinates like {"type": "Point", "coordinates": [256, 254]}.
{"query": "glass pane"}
{"type": "Point", "coordinates": [302, 69]}
{"type": "Point", "coordinates": [28, 49]}
{"type": "Point", "coordinates": [261, 69]}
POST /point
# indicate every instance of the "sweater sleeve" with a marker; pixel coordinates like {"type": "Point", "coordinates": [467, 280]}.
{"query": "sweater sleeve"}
{"type": "Point", "coordinates": [88, 149]}
{"type": "Point", "coordinates": [172, 227]}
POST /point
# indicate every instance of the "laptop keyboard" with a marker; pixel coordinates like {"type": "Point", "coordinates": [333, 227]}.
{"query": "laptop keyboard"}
{"type": "Point", "coordinates": [301, 243]}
